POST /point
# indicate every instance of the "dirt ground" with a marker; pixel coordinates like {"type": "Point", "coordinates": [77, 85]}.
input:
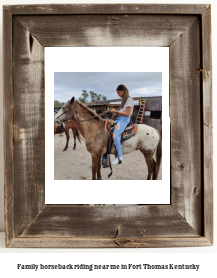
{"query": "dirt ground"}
{"type": "Point", "coordinates": [76, 164]}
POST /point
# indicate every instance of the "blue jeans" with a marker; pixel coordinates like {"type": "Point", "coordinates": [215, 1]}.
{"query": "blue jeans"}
{"type": "Point", "coordinates": [121, 124]}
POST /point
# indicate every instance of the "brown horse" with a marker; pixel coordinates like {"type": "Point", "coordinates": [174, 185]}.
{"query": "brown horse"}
{"type": "Point", "coordinates": [59, 128]}
{"type": "Point", "coordinates": [92, 128]}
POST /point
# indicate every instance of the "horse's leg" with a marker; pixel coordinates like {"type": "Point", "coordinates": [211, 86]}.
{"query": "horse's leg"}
{"type": "Point", "coordinates": [74, 135]}
{"type": "Point", "coordinates": [150, 163]}
{"type": "Point", "coordinates": [95, 165]}
{"type": "Point", "coordinates": [154, 176]}
{"type": "Point", "coordinates": [67, 138]}
{"type": "Point", "coordinates": [99, 177]}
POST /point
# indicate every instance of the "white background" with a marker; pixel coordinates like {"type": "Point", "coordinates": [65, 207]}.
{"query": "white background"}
{"type": "Point", "coordinates": [102, 192]}
{"type": "Point", "coordinates": [206, 256]}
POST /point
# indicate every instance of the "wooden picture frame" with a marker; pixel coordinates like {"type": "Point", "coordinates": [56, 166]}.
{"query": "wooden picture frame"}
{"type": "Point", "coordinates": [186, 30]}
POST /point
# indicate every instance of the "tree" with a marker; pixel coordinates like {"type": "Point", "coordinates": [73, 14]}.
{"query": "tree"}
{"type": "Point", "coordinates": [96, 97]}
{"type": "Point", "coordinates": [84, 96]}
{"type": "Point", "coordinates": [57, 103]}
{"type": "Point", "coordinates": [104, 98]}
{"type": "Point", "coordinates": [93, 96]}
{"type": "Point", "coordinates": [99, 97]}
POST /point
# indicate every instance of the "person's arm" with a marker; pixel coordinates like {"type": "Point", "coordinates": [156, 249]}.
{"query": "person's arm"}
{"type": "Point", "coordinates": [126, 113]}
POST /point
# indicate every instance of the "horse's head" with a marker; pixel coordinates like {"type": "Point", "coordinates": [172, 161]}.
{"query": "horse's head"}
{"type": "Point", "coordinates": [66, 112]}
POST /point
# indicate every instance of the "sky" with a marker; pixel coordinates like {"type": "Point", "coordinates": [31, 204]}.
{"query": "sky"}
{"type": "Point", "coordinates": [139, 84]}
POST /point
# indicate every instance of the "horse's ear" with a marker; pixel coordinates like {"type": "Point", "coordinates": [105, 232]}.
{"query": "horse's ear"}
{"type": "Point", "coordinates": [72, 100]}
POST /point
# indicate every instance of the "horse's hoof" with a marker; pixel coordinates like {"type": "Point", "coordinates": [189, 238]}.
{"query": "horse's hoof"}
{"type": "Point", "coordinates": [65, 149]}
{"type": "Point", "coordinates": [74, 148]}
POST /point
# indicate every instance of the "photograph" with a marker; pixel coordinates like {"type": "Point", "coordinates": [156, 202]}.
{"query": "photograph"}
{"type": "Point", "coordinates": [110, 130]}
{"type": "Point", "coordinates": [107, 125]}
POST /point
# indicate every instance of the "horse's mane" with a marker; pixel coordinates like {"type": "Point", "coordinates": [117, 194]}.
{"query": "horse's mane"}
{"type": "Point", "coordinates": [90, 111]}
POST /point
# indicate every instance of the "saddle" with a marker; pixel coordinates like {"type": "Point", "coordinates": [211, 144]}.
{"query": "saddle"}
{"type": "Point", "coordinates": [129, 131]}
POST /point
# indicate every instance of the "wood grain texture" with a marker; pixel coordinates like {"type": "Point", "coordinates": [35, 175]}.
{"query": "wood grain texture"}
{"type": "Point", "coordinates": [185, 114]}
{"type": "Point", "coordinates": [106, 9]}
{"type": "Point", "coordinates": [109, 222]}
{"type": "Point", "coordinates": [29, 140]}
{"type": "Point", "coordinates": [206, 68]}
{"type": "Point", "coordinates": [8, 125]}
{"type": "Point", "coordinates": [207, 123]}
{"type": "Point", "coordinates": [62, 242]}
{"type": "Point", "coordinates": [186, 30]}
{"type": "Point", "coordinates": [208, 182]}
{"type": "Point", "coordinates": [107, 30]}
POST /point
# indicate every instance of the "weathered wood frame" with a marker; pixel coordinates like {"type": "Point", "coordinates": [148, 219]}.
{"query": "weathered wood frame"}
{"type": "Point", "coordinates": [186, 29]}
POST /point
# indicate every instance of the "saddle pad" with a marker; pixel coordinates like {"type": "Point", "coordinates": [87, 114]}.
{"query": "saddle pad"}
{"type": "Point", "coordinates": [129, 130]}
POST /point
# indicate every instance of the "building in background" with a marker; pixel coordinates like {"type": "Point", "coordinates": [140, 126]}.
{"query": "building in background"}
{"type": "Point", "coordinates": [152, 111]}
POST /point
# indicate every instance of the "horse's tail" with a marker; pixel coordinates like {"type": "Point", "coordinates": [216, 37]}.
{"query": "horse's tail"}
{"type": "Point", "coordinates": [158, 157]}
{"type": "Point", "coordinates": [78, 135]}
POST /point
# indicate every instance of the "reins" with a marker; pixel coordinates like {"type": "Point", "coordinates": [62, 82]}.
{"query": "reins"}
{"type": "Point", "coordinates": [109, 152]}
{"type": "Point", "coordinates": [92, 117]}
{"type": "Point", "coordinates": [84, 119]}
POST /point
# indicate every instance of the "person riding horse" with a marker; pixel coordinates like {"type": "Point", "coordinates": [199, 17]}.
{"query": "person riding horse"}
{"type": "Point", "coordinates": [92, 128]}
{"type": "Point", "coordinates": [124, 114]}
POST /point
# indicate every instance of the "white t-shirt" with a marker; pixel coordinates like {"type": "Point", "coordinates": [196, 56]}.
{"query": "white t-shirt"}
{"type": "Point", "coordinates": [128, 103]}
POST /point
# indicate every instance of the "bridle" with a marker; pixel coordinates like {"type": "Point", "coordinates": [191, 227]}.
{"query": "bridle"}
{"type": "Point", "coordinates": [63, 113]}
{"type": "Point", "coordinates": [81, 120]}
